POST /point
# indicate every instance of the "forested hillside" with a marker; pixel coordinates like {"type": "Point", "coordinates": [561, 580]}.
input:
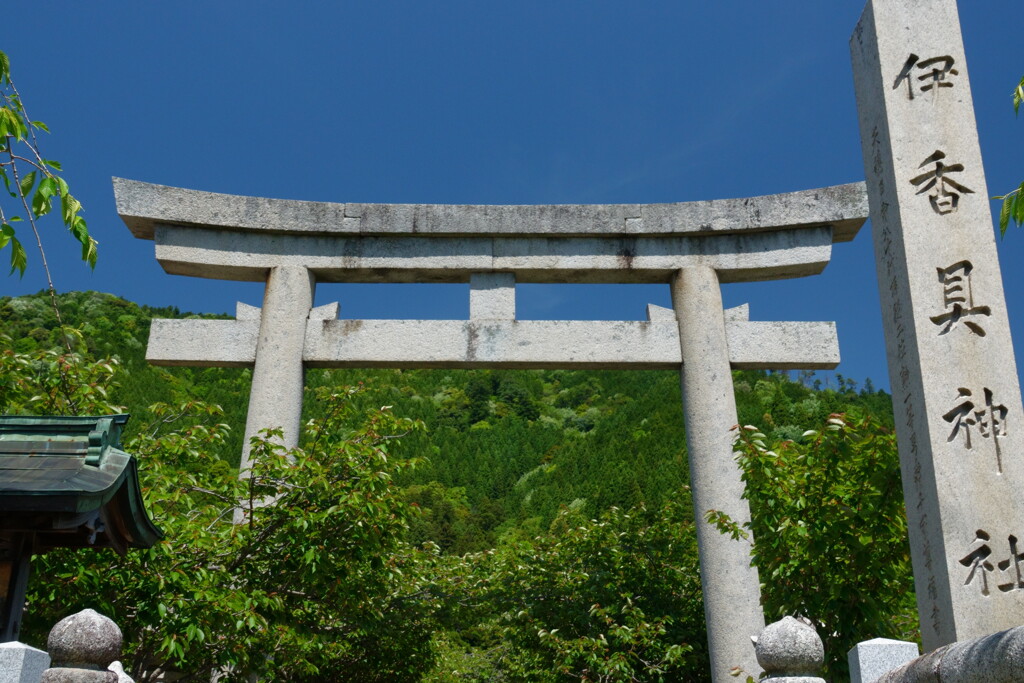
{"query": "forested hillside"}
{"type": "Point", "coordinates": [505, 450]}
{"type": "Point", "coordinates": [517, 474]}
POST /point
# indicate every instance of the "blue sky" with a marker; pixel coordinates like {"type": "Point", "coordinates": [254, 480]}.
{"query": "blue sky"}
{"type": "Point", "coordinates": [478, 102]}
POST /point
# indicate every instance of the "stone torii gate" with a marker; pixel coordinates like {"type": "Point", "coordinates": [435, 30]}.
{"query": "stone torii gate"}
{"type": "Point", "coordinates": [695, 246]}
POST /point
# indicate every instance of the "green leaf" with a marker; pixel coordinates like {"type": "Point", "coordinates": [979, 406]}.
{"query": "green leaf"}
{"type": "Point", "coordinates": [10, 123]}
{"type": "Point", "coordinates": [40, 125]}
{"type": "Point", "coordinates": [5, 66]}
{"type": "Point", "coordinates": [41, 203]}
{"type": "Point", "coordinates": [19, 259]}
{"type": "Point", "coordinates": [26, 184]}
{"type": "Point", "coordinates": [1018, 96]}
{"type": "Point", "coordinates": [6, 233]}
{"type": "Point", "coordinates": [79, 229]}
{"type": "Point", "coordinates": [1004, 214]}
{"type": "Point", "coordinates": [52, 163]}
{"type": "Point", "coordinates": [69, 207]}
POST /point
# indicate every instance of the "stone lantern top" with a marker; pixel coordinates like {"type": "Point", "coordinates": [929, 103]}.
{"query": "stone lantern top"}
{"type": "Point", "coordinates": [790, 651]}
{"type": "Point", "coordinates": [87, 640]}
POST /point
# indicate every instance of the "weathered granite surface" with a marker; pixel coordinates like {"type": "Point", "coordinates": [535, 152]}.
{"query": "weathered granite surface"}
{"type": "Point", "coordinates": [494, 343]}
{"type": "Point", "coordinates": [995, 658]}
{"type": "Point", "coordinates": [21, 663]}
{"type": "Point", "coordinates": [732, 594]}
{"type": "Point", "coordinates": [871, 659]}
{"type": "Point", "coordinates": [492, 296]}
{"type": "Point", "coordinates": [956, 396]}
{"type": "Point", "coordinates": [739, 257]}
{"type": "Point", "coordinates": [82, 646]}
{"type": "Point", "coordinates": [278, 377]}
{"type": "Point", "coordinates": [789, 648]}
{"type": "Point", "coordinates": [143, 205]}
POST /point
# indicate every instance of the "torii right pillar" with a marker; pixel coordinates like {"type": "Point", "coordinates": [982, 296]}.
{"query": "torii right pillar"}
{"type": "Point", "coordinates": [954, 378]}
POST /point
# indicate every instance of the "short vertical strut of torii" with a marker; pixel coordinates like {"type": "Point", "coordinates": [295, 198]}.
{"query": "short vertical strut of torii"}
{"type": "Point", "coordinates": [693, 246]}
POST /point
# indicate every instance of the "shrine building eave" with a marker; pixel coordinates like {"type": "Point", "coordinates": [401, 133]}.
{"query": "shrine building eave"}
{"type": "Point", "coordinates": [65, 480]}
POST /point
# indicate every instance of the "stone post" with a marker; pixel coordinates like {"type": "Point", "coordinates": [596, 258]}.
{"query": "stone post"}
{"type": "Point", "coordinates": [951, 365]}
{"type": "Point", "coordinates": [732, 597]}
{"type": "Point", "coordinates": [275, 399]}
{"type": "Point", "coordinates": [870, 659]}
{"type": "Point", "coordinates": [20, 663]}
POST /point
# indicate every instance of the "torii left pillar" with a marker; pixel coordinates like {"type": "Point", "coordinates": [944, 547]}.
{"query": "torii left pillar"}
{"type": "Point", "coordinates": [732, 596]}
{"type": "Point", "coordinates": [278, 376]}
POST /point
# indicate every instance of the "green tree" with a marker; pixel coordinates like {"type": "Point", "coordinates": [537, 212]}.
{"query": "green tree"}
{"type": "Point", "coordinates": [30, 180]}
{"type": "Point", "coordinates": [830, 532]}
{"type": "Point", "coordinates": [51, 382]}
{"type": "Point", "coordinates": [499, 488]}
{"type": "Point", "coordinates": [1013, 201]}
{"type": "Point", "coordinates": [616, 598]}
{"type": "Point", "coordinates": [320, 583]}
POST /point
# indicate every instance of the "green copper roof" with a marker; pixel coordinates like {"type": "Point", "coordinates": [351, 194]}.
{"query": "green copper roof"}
{"type": "Point", "coordinates": [66, 479]}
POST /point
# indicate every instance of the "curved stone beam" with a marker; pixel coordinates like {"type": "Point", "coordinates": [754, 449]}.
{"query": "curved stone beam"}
{"type": "Point", "coordinates": [144, 205]}
{"type": "Point", "coordinates": [202, 234]}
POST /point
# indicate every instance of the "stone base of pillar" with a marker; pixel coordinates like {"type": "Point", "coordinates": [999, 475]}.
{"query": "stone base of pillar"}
{"type": "Point", "coordinates": [873, 658]}
{"type": "Point", "coordinates": [21, 663]}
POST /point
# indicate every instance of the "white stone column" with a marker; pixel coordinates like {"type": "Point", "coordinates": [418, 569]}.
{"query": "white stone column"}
{"type": "Point", "coordinates": [275, 399]}
{"type": "Point", "coordinates": [954, 378]}
{"type": "Point", "coordinates": [732, 595]}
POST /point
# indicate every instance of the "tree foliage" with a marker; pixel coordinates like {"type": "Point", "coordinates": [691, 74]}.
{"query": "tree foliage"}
{"type": "Point", "coordinates": [830, 532]}
{"type": "Point", "coordinates": [30, 180]}
{"type": "Point", "coordinates": [616, 598]}
{"type": "Point", "coordinates": [1013, 201]}
{"type": "Point", "coordinates": [318, 579]}
{"type": "Point", "coordinates": [549, 502]}
{"type": "Point", "coordinates": [48, 381]}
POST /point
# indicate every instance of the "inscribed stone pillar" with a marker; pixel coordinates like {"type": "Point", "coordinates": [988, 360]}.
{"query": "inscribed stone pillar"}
{"type": "Point", "coordinates": [954, 379]}
{"type": "Point", "coordinates": [732, 596]}
{"type": "Point", "coordinates": [275, 400]}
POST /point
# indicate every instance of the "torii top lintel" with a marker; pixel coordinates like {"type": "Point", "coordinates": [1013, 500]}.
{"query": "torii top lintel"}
{"type": "Point", "coordinates": [234, 237]}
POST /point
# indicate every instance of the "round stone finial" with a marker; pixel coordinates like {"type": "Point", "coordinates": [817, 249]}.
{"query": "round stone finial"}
{"type": "Point", "coordinates": [790, 648]}
{"type": "Point", "coordinates": [87, 640]}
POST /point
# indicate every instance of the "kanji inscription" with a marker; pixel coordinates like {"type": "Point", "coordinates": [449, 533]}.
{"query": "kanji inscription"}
{"type": "Point", "coordinates": [977, 560]}
{"type": "Point", "coordinates": [943, 192]}
{"type": "Point", "coordinates": [1017, 581]}
{"type": "Point", "coordinates": [988, 419]}
{"type": "Point", "coordinates": [958, 300]}
{"type": "Point", "coordinates": [927, 74]}
{"type": "Point", "coordinates": [1010, 575]}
